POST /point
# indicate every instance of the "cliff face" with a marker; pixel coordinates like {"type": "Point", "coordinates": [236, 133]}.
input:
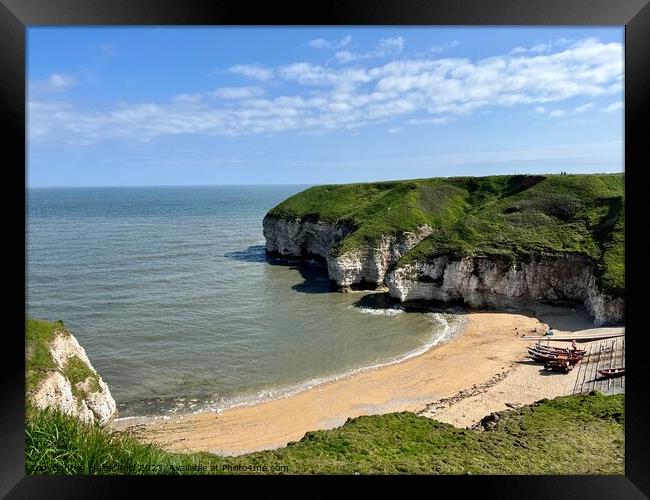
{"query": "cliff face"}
{"type": "Point", "coordinates": [74, 387]}
{"type": "Point", "coordinates": [481, 281]}
{"type": "Point", "coordinates": [485, 241]}
{"type": "Point", "coordinates": [364, 266]}
{"type": "Point", "coordinates": [475, 281]}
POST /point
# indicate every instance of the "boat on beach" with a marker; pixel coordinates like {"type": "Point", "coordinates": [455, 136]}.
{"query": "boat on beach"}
{"type": "Point", "coordinates": [544, 357]}
{"type": "Point", "coordinates": [612, 372]}
{"type": "Point", "coordinates": [558, 350]}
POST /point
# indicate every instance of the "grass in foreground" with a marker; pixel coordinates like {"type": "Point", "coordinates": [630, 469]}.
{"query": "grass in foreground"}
{"type": "Point", "coordinates": [581, 434]}
{"type": "Point", "coordinates": [512, 217]}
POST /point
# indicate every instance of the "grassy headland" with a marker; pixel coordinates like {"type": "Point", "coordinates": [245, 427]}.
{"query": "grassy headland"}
{"type": "Point", "coordinates": [511, 217]}
{"type": "Point", "coordinates": [581, 434]}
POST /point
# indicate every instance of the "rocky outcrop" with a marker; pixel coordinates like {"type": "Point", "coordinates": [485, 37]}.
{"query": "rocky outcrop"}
{"type": "Point", "coordinates": [370, 264]}
{"type": "Point", "coordinates": [301, 238]}
{"type": "Point", "coordinates": [496, 282]}
{"type": "Point", "coordinates": [74, 387]}
{"type": "Point", "coordinates": [363, 266]}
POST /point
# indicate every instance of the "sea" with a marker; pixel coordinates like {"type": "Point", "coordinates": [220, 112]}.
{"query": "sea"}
{"type": "Point", "coordinates": [170, 292]}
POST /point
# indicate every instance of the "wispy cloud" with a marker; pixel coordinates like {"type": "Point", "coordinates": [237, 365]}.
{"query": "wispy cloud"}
{"type": "Point", "coordinates": [430, 121]}
{"type": "Point", "coordinates": [385, 47]}
{"type": "Point", "coordinates": [437, 49]}
{"type": "Point", "coordinates": [558, 113]}
{"type": "Point", "coordinates": [583, 108]}
{"type": "Point", "coordinates": [55, 83]}
{"type": "Point", "coordinates": [542, 48]}
{"type": "Point", "coordinates": [237, 92]}
{"type": "Point", "coordinates": [321, 43]}
{"type": "Point", "coordinates": [322, 98]}
{"type": "Point", "coordinates": [615, 106]}
{"type": "Point", "coordinates": [254, 71]}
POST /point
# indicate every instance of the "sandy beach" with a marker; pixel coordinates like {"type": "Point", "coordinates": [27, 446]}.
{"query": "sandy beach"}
{"type": "Point", "coordinates": [459, 382]}
{"type": "Point", "coordinates": [522, 385]}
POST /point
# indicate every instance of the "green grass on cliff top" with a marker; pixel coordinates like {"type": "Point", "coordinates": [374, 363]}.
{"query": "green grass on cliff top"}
{"type": "Point", "coordinates": [38, 359]}
{"type": "Point", "coordinates": [508, 216]}
{"type": "Point", "coordinates": [582, 434]}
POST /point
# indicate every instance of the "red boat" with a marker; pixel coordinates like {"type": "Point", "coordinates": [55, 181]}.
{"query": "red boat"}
{"type": "Point", "coordinates": [558, 350]}
{"type": "Point", "coordinates": [547, 356]}
{"type": "Point", "coordinates": [612, 372]}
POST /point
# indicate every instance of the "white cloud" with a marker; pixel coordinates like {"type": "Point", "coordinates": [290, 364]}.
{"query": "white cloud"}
{"type": "Point", "coordinates": [385, 47]}
{"type": "Point", "coordinates": [437, 49]}
{"type": "Point", "coordinates": [322, 98]}
{"type": "Point", "coordinates": [391, 45]}
{"type": "Point", "coordinates": [394, 130]}
{"type": "Point", "coordinates": [540, 109]}
{"type": "Point", "coordinates": [429, 121]}
{"type": "Point", "coordinates": [55, 83]}
{"type": "Point", "coordinates": [583, 108]}
{"type": "Point", "coordinates": [253, 71]}
{"type": "Point", "coordinates": [321, 43]}
{"type": "Point", "coordinates": [558, 113]}
{"type": "Point", "coordinates": [615, 106]}
{"type": "Point", "coordinates": [237, 92]}
{"type": "Point", "coordinates": [542, 48]}
{"type": "Point", "coordinates": [61, 81]}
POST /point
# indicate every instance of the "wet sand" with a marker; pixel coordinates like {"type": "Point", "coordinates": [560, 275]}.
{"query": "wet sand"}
{"type": "Point", "coordinates": [490, 347]}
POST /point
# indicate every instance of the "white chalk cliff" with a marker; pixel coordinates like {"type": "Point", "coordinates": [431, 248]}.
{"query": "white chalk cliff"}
{"type": "Point", "coordinates": [366, 266]}
{"type": "Point", "coordinates": [89, 400]}
{"type": "Point", "coordinates": [477, 281]}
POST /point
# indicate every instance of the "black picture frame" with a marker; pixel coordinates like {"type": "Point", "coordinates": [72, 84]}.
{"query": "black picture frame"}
{"type": "Point", "coordinates": [17, 15]}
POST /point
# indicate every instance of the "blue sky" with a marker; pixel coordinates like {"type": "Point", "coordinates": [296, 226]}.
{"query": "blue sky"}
{"type": "Point", "coordinates": [203, 106]}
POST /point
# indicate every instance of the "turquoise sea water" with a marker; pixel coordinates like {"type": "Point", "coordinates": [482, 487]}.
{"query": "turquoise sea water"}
{"type": "Point", "coordinates": [169, 291]}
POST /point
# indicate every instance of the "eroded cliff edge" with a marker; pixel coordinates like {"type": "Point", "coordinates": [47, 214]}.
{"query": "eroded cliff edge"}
{"type": "Point", "coordinates": [492, 241]}
{"type": "Point", "coordinates": [59, 375]}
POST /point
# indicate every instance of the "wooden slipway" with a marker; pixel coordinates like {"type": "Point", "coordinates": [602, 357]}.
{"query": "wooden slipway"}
{"type": "Point", "coordinates": [590, 334]}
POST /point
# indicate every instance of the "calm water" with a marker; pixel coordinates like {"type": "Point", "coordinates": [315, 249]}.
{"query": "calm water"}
{"type": "Point", "coordinates": [171, 295]}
